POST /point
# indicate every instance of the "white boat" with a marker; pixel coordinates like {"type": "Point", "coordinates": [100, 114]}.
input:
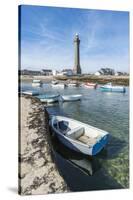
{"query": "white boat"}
{"type": "Point", "coordinates": [36, 83]}
{"type": "Point", "coordinates": [74, 97]}
{"type": "Point", "coordinates": [58, 85]}
{"type": "Point", "coordinates": [111, 88]}
{"type": "Point", "coordinates": [90, 85]}
{"type": "Point", "coordinates": [28, 92]}
{"type": "Point", "coordinates": [48, 98]}
{"type": "Point", "coordinates": [54, 82]}
{"type": "Point", "coordinates": [71, 85]}
{"type": "Point", "coordinates": [78, 136]}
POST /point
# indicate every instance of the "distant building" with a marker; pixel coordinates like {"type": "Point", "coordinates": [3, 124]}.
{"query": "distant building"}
{"type": "Point", "coordinates": [60, 74]}
{"type": "Point", "coordinates": [29, 72]}
{"type": "Point", "coordinates": [67, 72]}
{"type": "Point", "coordinates": [47, 72]}
{"type": "Point", "coordinates": [97, 73]}
{"type": "Point", "coordinates": [55, 72]}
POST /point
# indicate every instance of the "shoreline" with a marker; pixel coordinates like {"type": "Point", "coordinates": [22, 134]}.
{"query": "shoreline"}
{"type": "Point", "coordinates": [117, 80]}
{"type": "Point", "coordinates": [38, 173]}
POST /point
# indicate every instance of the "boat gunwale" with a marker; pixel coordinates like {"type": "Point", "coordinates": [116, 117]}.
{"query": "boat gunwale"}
{"type": "Point", "coordinates": [46, 97]}
{"type": "Point", "coordinates": [93, 127]}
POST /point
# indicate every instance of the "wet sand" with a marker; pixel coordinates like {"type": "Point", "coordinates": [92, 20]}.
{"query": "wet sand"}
{"type": "Point", "coordinates": [38, 173]}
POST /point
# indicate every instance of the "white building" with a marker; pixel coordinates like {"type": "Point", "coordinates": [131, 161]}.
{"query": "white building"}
{"type": "Point", "coordinates": [67, 72]}
{"type": "Point", "coordinates": [55, 72]}
{"type": "Point", "coordinates": [97, 73]}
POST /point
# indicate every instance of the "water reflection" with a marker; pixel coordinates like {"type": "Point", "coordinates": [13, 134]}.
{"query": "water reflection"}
{"type": "Point", "coordinates": [85, 163]}
{"type": "Point", "coordinates": [81, 172]}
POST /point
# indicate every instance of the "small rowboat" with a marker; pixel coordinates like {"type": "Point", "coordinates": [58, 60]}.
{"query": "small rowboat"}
{"type": "Point", "coordinates": [78, 136]}
{"type": "Point", "coordinates": [54, 82]}
{"type": "Point", "coordinates": [36, 83]}
{"type": "Point", "coordinates": [110, 88]}
{"type": "Point", "coordinates": [75, 97]}
{"type": "Point", "coordinates": [32, 93]}
{"type": "Point", "coordinates": [48, 98]}
{"type": "Point", "coordinates": [71, 85]}
{"type": "Point", "coordinates": [90, 85]}
{"type": "Point", "coordinates": [58, 85]}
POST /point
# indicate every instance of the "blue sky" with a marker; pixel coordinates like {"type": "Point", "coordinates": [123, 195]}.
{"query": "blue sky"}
{"type": "Point", "coordinates": [47, 38]}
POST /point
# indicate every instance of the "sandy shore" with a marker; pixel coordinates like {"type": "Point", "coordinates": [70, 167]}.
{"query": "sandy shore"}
{"type": "Point", "coordinates": [38, 173]}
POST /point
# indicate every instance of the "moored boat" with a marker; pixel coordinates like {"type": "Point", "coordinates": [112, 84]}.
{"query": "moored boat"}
{"type": "Point", "coordinates": [47, 98]}
{"type": "Point", "coordinates": [111, 88]}
{"type": "Point", "coordinates": [36, 83]}
{"type": "Point", "coordinates": [90, 85]}
{"type": "Point", "coordinates": [79, 136]}
{"type": "Point", "coordinates": [71, 85]}
{"type": "Point", "coordinates": [58, 85]}
{"type": "Point", "coordinates": [74, 97]}
{"type": "Point", "coordinates": [54, 82]}
{"type": "Point", "coordinates": [29, 92]}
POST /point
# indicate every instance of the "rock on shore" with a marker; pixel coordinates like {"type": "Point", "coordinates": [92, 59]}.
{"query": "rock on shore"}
{"type": "Point", "coordinates": [38, 173]}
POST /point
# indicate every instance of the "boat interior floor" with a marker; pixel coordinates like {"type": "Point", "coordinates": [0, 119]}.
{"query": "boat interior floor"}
{"type": "Point", "coordinates": [86, 140]}
{"type": "Point", "coordinates": [77, 133]}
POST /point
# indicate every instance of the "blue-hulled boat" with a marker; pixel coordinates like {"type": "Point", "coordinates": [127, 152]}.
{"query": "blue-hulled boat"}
{"type": "Point", "coordinates": [111, 88]}
{"type": "Point", "coordinates": [30, 92]}
{"type": "Point", "coordinates": [78, 136]}
{"type": "Point", "coordinates": [48, 98]}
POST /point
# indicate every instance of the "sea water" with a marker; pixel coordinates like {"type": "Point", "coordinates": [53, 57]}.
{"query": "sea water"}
{"type": "Point", "coordinates": [108, 111]}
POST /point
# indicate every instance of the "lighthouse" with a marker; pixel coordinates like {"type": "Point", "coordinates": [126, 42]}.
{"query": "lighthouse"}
{"type": "Point", "coordinates": [77, 68]}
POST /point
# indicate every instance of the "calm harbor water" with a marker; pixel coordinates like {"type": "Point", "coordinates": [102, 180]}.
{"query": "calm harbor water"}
{"type": "Point", "coordinates": [108, 111]}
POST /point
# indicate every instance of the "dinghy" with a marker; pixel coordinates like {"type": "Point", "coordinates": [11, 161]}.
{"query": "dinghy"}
{"type": "Point", "coordinates": [71, 85]}
{"type": "Point", "coordinates": [78, 136]}
{"type": "Point", "coordinates": [36, 83]}
{"type": "Point", "coordinates": [90, 85]}
{"type": "Point", "coordinates": [47, 98]}
{"type": "Point", "coordinates": [58, 85]}
{"type": "Point", "coordinates": [74, 97]}
{"type": "Point", "coordinates": [110, 88]}
{"type": "Point", "coordinates": [29, 92]}
{"type": "Point", "coordinates": [54, 82]}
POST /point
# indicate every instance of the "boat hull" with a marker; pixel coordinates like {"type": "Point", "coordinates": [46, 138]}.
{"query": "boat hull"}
{"type": "Point", "coordinates": [90, 85]}
{"type": "Point", "coordinates": [113, 89]}
{"type": "Point", "coordinates": [32, 93]}
{"type": "Point", "coordinates": [48, 99]}
{"type": "Point", "coordinates": [36, 84]}
{"type": "Point", "coordinates": [92, 151]}
{"type": "Point", "coordinates": [62, 86]}
{"type": "Point", "coordinates": [74, 146]}
{"type": "Point", "coordinates": [71, 85]}
{"type": "Point", "coordinates": [79, 147]}
{"type": "Point", "coordinates": [71, 97]}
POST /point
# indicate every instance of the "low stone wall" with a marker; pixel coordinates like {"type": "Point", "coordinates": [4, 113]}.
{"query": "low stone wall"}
{"type": "Point", "coordinates": [38, 173]}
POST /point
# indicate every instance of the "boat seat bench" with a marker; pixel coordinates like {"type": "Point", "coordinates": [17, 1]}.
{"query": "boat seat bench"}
{"type": "Point", "coordinates": [87, 140]}
{"type": "Point", "coordinates": [76, 132]}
